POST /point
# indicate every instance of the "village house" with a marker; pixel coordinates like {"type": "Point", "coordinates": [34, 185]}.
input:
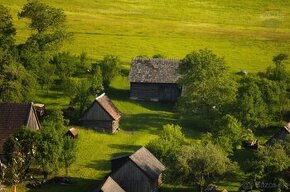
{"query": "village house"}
{"type": "Point", "coordinates": [139, 172]}
{"type": "Point", "coordinates": [280, 135]}
{"type": "Point", "coordinates": [154, 79]}
{"type": "Point", "coordinates": [102, 115]}
{"type": "Point", "coordinates": [13, 116]}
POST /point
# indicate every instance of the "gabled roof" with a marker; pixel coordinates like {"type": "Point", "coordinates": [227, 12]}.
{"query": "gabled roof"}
{"type": "Point", "coordinates": [73, 131]}
{"type": "Point", "coordinates": [12, 117]}
{"type": "Point", "coordinates": [280, 135]}
{"type": "Point", "coordinates": [154, 70]}
{"type": "Point", "coordinates": [111, 186]}
{"type": "Point", "coordinates": [108, 106]}
{"type": "Point", "coordinates": [147, 162]}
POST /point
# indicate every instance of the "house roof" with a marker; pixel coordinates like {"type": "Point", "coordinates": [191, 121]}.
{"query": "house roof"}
{"type": "Point", "coordinates": [108, 106]}
{"type": "Point", "coordinates": [280, 135]}
{"type": "Point", "coordinates": [111, 186]}
{"type": "Point", "coordinates": [12, 117]}
{"type": "Point", "coordinates": [146, 161]}
{"type": "Point", "coordinates": [154, 70]}
{"type": "Point", "coordinates": [73, 131]}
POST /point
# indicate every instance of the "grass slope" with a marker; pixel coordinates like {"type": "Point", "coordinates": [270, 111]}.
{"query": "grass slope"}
{"type": "Point", "coordinates": [247, 33]}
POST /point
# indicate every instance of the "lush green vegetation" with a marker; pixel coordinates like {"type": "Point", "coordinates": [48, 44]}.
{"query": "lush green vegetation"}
{"type": "Point", "coordinates": [246, 33]}
{"type": "Point", "coordinates": [127, 29]}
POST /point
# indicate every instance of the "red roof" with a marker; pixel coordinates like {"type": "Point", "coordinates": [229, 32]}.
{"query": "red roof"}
{"type": "Point", "coordinates": [108, 106]}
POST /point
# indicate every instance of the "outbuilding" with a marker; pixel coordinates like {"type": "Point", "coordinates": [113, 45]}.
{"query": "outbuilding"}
{"type": "Point", "coordinates": [13, 116]}
{"type": "Point", "coordinates": [154, 79]}
{"type": "Point", "coordinates": [102, 115]}
{"type": "Point", "coordinates": [281, 135]}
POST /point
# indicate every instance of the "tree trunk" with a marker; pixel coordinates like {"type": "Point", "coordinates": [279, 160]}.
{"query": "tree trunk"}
{"type": "Point", "coordinates": [14, 188]}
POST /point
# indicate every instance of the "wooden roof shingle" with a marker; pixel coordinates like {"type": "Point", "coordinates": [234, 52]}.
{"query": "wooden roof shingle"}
{"type": "Point", "coordinates": [12, 117]}
{"type": "Point", "coordinates": [154, 70]}
{"type": "Point", "coordinates": [111, 186]}
{"type": "Point", "coordinates": [108, 106]}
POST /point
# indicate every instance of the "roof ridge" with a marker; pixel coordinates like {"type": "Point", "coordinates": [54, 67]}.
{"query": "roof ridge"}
{"type": "Point", "coordinates": [103, 94]}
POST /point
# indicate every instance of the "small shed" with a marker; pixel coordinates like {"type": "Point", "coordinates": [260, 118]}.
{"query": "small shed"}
{"type": "Point", "coordinates": [72, 132]}
{"type": "Point", "coordinates": [13, 116]}
{"type": "Point", "coordinates": [102, 115]}
{"type": "Point", "coordinates": [110, 186]}
{"type": "Point", "coordinates": [280, 135]}
{"type": "Point", "coordinates": [154, 79]}
{"type": "Point", "coordinates": [139, 172]}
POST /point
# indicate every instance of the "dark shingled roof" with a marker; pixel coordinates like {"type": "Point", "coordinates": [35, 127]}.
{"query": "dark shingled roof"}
{"type": "Point", "coordinates": [111, 186]}
{"type": "Point", "coordinates": [108, 106]}
{"type": "Point", "coordinates": [154, 70]}
{"type": "Point", "coordinates": [12, 117]}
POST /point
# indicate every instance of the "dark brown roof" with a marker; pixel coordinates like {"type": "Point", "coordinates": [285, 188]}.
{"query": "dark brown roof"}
{"type": "Point", "coordinates": [111, 186]}
{"type": "Point", "coordinates": [108, 106]}
{"type": "Point", "coordinates": [154, 70]}
{"type": "Point", "coordinates": [12, 117]}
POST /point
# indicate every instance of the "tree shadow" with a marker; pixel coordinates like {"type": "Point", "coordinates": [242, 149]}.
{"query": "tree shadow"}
{"type": "Point", "coordinates": [78, 184]}
{"type": "Point", "coordinates": [100, 165]}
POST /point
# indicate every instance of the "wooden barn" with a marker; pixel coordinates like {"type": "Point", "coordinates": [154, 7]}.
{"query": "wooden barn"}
{"type": "Point", "coordinates": [72, 132]}
{"type": "Point", "coordinates": [110, 186]}
{"type": "Point", "coordinates": [154, 79]}
{"type": "Point", "coordinates": [102, 115]}
{"type": "Point", "coordinates": [139, 172]}
{"type": "Point", "coordinates": [280, 135]}
{"type": "Point", "coordinates": [13, 116]}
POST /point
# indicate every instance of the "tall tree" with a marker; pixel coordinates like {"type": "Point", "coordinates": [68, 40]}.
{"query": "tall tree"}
{"type": "Point", "coordinates": [69, 152]}
{"type": "Point", "coordinates": [110, 67]}
{"type": "Point", "coordinates": [207, 84]}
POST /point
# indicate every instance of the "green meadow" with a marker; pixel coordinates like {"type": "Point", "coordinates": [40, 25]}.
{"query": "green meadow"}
{"type": "Point", "coordinates": [246, 33]}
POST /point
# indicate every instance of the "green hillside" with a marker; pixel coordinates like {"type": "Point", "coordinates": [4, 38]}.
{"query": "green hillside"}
{"type": "Point", "coordinates": [246, 33]}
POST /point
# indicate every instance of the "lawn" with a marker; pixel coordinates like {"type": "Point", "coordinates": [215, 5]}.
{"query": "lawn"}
{"type": "Point", "coordinates": [246, 33]}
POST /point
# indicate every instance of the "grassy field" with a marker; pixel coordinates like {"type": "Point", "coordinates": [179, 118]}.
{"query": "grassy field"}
{"type": "Point", "coordinates": [246, 33]}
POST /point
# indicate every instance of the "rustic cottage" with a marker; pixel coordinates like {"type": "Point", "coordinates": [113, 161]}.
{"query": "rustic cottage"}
{"type": "Point", "coordinates": [280, 135]}
{"type": "Point", "coordinates": [110, 186]}
{"type": "Point", "coordinates": [13, 116]}
{"type": "Point", "coordinates": [102, 115]}
{"type": "Point", "coordinates": [139, 172]}
{"type": "Point", "coordinates": [154, 79]}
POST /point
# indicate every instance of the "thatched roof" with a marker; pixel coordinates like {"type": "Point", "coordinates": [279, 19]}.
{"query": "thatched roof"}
{"type": "Point", "coordinates": [111, 186]}
{"type": "Point", "coordinates": [12, 117]}
{"type": "Point", "coordinates": [154, 70]}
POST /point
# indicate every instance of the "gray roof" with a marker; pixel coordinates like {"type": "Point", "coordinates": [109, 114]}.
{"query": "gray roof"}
{"type": "Point", "coordinates": [147, 162]}
{"type": "Point", "coordinates": [154, 70]}
{"type": "Point", "coordinates": [111, 186]}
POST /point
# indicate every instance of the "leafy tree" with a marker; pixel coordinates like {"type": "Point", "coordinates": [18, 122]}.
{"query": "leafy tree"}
{"type": "Point", "coordinates": [166, 147]}
{"type": "Point", "coordinates": [96, 79]}
{"type": "Point", "coordinates": [7, 30]}
{"type": "Point", "coordinates": [19, 152]}
{"type": "Point", "coordinates": [229, 133]}
{"type": "Point", "coordinates": [279, 72]}
{"type": "Point", "coordinates": [252, 109]}
{"type": "Point", "coordinates": [69, 152]}
{"type": "Point", "coordinates": [201, 164]}
{"type": "Point", "coordinates": [110, 67]}
{"type": "Point", "coordinates": [17, 84]}
{"type": "Point", "coordinates": [50, 143]}
{"type": "Point", "coordinates": [269, 167]}
{"type": "Point", "coordinates": [207, 84]}
{"type": "Point", "coordinates": [43, 17]}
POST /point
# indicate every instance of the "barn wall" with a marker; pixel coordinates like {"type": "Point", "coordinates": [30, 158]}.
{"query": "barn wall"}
{"type": "Point", "coordinates": [104, 126]}
{"type": "Point", "coordinates": [32, 120]}
{"type": "Point", "coordinates": [132, 179]}
{"type": "Point", "coordinates": [155, 91]}
{"type": "Point", "coordinates": [96, 112]}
